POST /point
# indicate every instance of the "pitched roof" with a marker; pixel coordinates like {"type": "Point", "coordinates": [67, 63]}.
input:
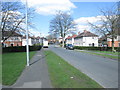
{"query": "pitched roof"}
{"type": "Point", "coordinates": [32, 37]}
{"type": "Point", "coordinates": [74, 36]}
{"type": "Point", "coordinates": [86, 34]}
{"type": "Point", "coordinates": [9, 33]}
{"type": "Point", "coordinates": [69, 37]}
{"type": "Point", "coordinates": [103, 38]}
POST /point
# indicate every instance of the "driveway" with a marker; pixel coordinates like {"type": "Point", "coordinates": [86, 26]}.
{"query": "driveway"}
{"type": "Point", "coordinates": [102, 70]}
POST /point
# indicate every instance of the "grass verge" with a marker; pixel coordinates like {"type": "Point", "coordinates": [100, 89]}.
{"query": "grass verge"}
{"type": "Point", "coordinates": [107, 52]}
{"type": "Point", "coordinates": [64, 75]}
{"type": "Point", "coordinates": [102, 54]}
{"type": "Point", "coordinates": [12, 66]}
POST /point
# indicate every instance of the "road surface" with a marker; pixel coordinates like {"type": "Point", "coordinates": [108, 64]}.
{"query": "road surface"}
{"type": "Point", "coordinates": [102, 70]}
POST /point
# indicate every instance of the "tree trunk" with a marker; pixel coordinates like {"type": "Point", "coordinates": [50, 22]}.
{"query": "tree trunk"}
{"type": "Point", "coordinates": [113, 49]}
{"type": "Point", "coordinates": [63, 42]}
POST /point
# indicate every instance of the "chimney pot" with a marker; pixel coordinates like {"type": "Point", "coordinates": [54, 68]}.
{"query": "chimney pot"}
{"type": "Point", "coordinates": [78, 32]}
{"type": "Point", "coordinates": [85, 31]}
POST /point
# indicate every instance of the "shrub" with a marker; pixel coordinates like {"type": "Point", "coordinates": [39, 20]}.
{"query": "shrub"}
{"type": "Point", "coordinates": [20, 49]}
{"type": "Point", "coordinates": [96, 48]}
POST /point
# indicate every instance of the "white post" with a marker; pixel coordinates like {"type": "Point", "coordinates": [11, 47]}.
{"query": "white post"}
{"type": "Point", "coordinates": [27, 42]}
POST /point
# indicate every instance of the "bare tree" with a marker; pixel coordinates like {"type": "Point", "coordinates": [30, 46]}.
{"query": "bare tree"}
{"type": "Point", "coordinates": [13, 18]}
{"type": "Point", "coordinates": [61, 24]}
{"type": "Point", "coordinates": [108, 24]}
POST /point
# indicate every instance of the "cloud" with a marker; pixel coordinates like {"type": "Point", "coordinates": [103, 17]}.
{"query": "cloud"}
{"type": "Point", "coordinates": [48, 7]}
{"type": "Point", "coordinates": [34, 32]}
{"type": "Point", "coordinates": [83, 22]}
{"type": "Point", "coordinates": [37, 33]}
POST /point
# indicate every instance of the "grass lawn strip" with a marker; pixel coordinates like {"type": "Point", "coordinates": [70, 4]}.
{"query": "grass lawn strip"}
{"type": "Point", "coordinates": [104, 55]}
{"type": "Point", "coordinates": [13, 65]}
{"type": "Point", "coordinates": [64, 75]}
{"type": "Point", "coordinates": [107, 52]}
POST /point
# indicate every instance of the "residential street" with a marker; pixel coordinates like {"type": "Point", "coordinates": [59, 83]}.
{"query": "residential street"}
{"type": "Point", "coordinates": [102, 70]}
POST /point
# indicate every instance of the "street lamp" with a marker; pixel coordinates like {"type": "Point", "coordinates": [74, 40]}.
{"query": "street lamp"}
{"type": "Point", "coordinates": [27, 42]}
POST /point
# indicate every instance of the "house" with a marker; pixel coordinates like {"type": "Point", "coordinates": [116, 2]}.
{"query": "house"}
{"type": "Point", "coordinates": [102, 41]}
{"type": "Point", "coordinates": [52, 41]}
{"type": "Point", "coordinates": [39, 40]}
{"type": "Point", "coordinates": [15, 39]}
{"type": "Point", "coordinates": [116, 41]}
{"type": "Point", "coordinates": [86, 38]}
{"type": "Point", "coordinates": [60, 40]}
{"type": "Point", "coordinates": [106, 40]}
{"type": "Point", "coordinates": [32, 40]}
{"type": "Point", "coordinates": [70, 39]}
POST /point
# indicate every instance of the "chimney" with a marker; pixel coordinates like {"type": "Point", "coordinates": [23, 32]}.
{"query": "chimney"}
{"type": "Point", "coordinates": [85, 31]}
{"type": "Point", "coordinates": [78, 32]}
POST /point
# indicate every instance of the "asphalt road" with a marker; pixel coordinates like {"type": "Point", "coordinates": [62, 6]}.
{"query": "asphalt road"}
{"type": "Point", "coordinates": [102, 70]}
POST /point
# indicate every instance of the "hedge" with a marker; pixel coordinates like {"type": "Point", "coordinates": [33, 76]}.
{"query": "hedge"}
{"type": "Point", "coordinates": [20, 49]}
{"type": "Point", "coordinates": [96, 48]}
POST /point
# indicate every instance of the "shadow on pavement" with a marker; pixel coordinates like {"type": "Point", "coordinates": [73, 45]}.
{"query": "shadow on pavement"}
{"type": "Point", "coordinates": [38, 60]}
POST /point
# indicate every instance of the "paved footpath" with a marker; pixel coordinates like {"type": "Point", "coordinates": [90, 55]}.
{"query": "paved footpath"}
{"type": "Point", "coordinates": [36, 75]}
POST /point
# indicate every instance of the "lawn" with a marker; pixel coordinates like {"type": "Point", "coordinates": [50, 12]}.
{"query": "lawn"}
{"type": "Point", "coordinates": [64, 75]}
{"type": "Point", "coordinates": [12, 66]}
{"type": "Point", "coordinates": [107, 52]}
{"type": "Point", "coordinates": [104, 54]}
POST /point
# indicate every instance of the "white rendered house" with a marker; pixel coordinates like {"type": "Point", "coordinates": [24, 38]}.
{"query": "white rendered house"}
{"type": "Point", "coordinates": [31, 41]}
{"type": "Point", "coordinates": [86, 39]}
{"type": "Point", "coordinates": [70, 39]}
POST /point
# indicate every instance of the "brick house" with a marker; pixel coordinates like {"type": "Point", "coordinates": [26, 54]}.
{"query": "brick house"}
{"type": "Point", "coordinates": [106, 40]}
{"type": "Point", "coordinates": [15, 39]}
{"type": "Point", "coordinates": [116, 42]}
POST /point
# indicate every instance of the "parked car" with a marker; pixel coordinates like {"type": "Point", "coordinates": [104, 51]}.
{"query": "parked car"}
{"type": "Point", "coordinates": [69, 46]}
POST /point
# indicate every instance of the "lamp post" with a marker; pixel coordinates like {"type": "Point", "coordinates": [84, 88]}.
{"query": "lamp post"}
{"type": "Point", "coordinates": [27, 42]}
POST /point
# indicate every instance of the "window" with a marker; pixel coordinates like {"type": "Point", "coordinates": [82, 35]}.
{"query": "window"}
{"type": "Point", "coordinates": [89, 44]}
{"type": "Point", "coordinates": [119, 44]}
{"type": "Point", "coordinates": [16, 38]}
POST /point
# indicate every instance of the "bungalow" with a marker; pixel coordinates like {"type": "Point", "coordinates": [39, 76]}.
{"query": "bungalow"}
{"type": "Point", "coordinates": [86, 39]}
{"type": "Point", "coordinates": [15, 39]}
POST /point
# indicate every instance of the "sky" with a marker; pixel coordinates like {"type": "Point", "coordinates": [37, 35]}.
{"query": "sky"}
{"type": "Point", "coordinates": [89, 10]}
